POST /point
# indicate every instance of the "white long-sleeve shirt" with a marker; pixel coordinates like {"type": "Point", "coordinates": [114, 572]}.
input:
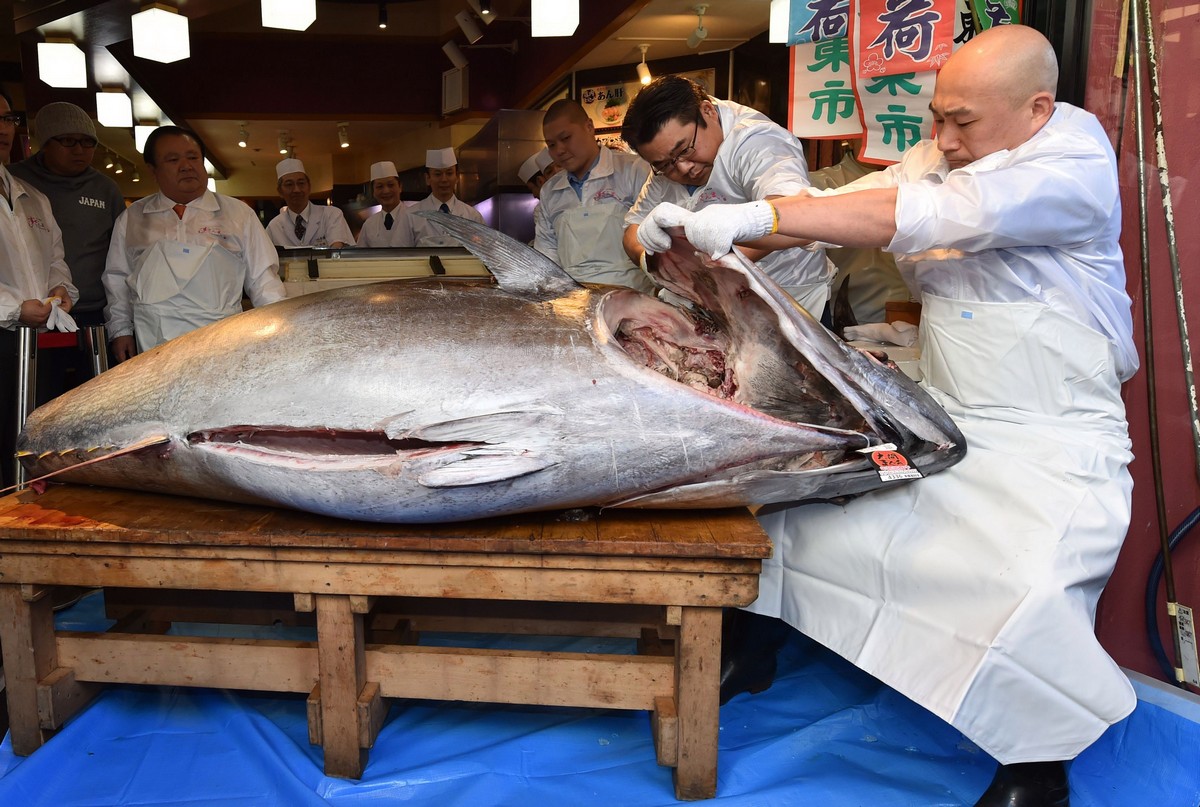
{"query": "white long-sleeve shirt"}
{"type": "Point", "coordinates": [323, 225]}
{"type": "Point", "coordinates": [210, 219]}
{"type": "Point", "coordinates": [31, 250]}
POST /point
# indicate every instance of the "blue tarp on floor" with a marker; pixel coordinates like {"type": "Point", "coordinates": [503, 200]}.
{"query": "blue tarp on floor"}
{"type": "Point", "coordinates": [825, 734]}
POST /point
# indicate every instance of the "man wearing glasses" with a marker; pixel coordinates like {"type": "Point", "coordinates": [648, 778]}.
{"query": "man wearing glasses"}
{"type": "Point", "coordinates": [32, 271]}
{"type": "Point", "coordinates": [704, 151]}
{"type": "Point", "coordinates": [85, 204]}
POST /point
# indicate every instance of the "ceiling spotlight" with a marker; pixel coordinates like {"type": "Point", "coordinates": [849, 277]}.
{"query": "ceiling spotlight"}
{"type": "Point", "coordinates": [136, 176]}
{"type": "Point", "coordinates": [485, 7]}
{"type": "Point", "coordinates": [467, 23]}
{"type": "Point", "coordinates": [701, 33]}
{"type": "Point", "coordinates": [343, 136]}
{"type": "Point", "coordinates": [243, 137]}
{"type": "Point", "coordinates": [454, 54]}
{"type": "Point", "coordinates": [283, 142]}
{"type": "Point", "coordinates": [119, 168]}
{"type": "Point", "coordinates": [383, 15]}
{"type": "Point", "coordinates": [109, 162]}
{"type": "Point", "coordinates": [642, 70]}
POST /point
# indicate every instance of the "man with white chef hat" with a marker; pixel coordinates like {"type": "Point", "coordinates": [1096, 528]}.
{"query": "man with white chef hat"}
{"type": "Point", "coordinates": [301, 223]}
{"type": "Point", "coordinates": [533, 171]}
{"type": "Point", "coordinates": [391, 226]}
{"type": "Point", "coordinates": [441, 172]}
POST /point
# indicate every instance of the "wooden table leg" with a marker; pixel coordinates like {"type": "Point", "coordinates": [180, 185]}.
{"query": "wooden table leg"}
{"type": "Point", "coordinates": [29, 655]}
{"type": "Point", "coordinates": [342, 660]}
{"type": "Point", "coordinates": [697, 691]}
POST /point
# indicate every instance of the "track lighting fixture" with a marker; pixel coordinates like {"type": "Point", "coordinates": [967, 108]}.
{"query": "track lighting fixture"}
{"type": "Point", "coordinates": [643, 70]}
{"type": "Point", "coordinates": [343, 135]}
{"type": "Point", "coordinates": [468, 26]}
{"type": "Point", "coordinates": [110, 160]}
{"type": "Point", "coordinates": [383, 15]}
{"type": "Point", "coordinates": [284, 141]}
{"type": "Point", "coordinates": [136, 176]}
{"type": "Point", "coordinates": [485, 7]}
{"type": "Point", "coordinates": [243, 137]}
{"type": "Point", "coordinates": [701, 33]}
{"type": "Point", "coordinates": [454, 54]}
{"type": "Point", "coordinates": [118, 168]}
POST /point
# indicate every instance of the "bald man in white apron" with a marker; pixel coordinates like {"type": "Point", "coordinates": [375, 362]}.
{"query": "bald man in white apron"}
{"type": "Point", "coordinates": [974, 591]}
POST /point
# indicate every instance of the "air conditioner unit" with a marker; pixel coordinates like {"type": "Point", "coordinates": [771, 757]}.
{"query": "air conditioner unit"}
{"type": "Point", "coordinates": [454, 90]}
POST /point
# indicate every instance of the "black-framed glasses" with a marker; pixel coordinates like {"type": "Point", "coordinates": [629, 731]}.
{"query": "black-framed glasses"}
{"type": "Point", "coordinates": [72, 142]}
{"type": "Point", "coordinates": [14, 118]}
{"type": "Point", "coordinates": [663, 167]}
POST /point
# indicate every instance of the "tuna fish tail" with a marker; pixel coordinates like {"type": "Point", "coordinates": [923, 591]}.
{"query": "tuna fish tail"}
{"type": "Point", "coordinates": [517, 267]}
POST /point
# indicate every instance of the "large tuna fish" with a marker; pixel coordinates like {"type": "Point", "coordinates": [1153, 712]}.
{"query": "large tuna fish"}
{"type": "Point", "coordinates": [441, 400]}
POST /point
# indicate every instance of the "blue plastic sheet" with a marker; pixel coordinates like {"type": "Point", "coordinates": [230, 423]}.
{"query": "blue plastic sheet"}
{"type": "Point", "coordinates": [825, 734]}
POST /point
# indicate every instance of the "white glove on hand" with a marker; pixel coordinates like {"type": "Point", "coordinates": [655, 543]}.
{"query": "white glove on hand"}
{"type": "Point", "coordinates": [716, 228]}
{"type": "Point", "coordinates": [59, 320]}
{"type": "Point", "coordinates": [652, 232]}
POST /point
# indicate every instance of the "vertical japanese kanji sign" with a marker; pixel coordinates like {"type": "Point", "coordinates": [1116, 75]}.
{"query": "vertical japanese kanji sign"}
{"type": "Point", "coordinates": [903, 36]}
{"type": "Point", "coordinates": [817, 20]}
{"type": "Point", "coordinates": [822, 85]}
{"type": "Point", "coordinates": [989, 13]}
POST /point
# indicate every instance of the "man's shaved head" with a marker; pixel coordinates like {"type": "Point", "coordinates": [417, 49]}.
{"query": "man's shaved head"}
{"type": "Point", "coordinates": [1014, 61]}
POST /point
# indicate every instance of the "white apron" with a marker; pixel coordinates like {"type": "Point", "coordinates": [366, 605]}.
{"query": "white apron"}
{"type": "Point", "coordinates": [180, 287]}
{"type": "Point", "coordinates": [591, 250]}
{"type": "Point", "coordinates": [974, 591]}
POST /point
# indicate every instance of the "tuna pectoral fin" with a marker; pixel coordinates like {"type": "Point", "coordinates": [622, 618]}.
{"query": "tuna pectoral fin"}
{"type": "Point", "coordinates": [483, 466]}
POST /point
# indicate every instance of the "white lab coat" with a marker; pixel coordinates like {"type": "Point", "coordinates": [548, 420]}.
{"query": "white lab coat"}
{"type": "Point", "coordinates": [428, 234]}
{"type": "Point", "coordinates": [31, 250]}
{"type": "Point", "coordinates": [172, 275]}
{"type": "Point", "coordinates": [374, 234]}
{"type": "Point", "coordinates": [323, 225]}
{"type": "Point", "coordinates": [583, 232]}
{"type": "Point", "coordinates": [757, 158]}
{"type": "Point", "coordinates": [973, 592]}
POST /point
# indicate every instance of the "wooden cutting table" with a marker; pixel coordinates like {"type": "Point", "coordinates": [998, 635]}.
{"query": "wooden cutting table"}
{"type": "Point", "coordinates": [659, 576]}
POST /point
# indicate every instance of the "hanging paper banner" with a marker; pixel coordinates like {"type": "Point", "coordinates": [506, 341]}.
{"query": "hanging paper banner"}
{"type": "Point", "coordinates": [817, 20]}
{"type": "Point", "coordinates": [822, 105]}
{"type": "Point", "coordinates": [903, 36]}
{"type": "Point", "coordinates": [964, 26]}
{"type": "Point", "coordinates": [895, 114]}
{"type": "Point", "coordinates": [989, 13]}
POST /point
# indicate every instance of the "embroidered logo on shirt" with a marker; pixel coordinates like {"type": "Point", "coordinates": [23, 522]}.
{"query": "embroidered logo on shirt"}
{"type": "Point", "coordinates": [708, 196]}
{"type": "Point", "coordinates": [88, 201]}
{"type": "Point", "coordinates": [36, 224]}
{"type": "Point", "coordinates": [211, 230]}
{"type": "Point", "coordinates": [604, 193]}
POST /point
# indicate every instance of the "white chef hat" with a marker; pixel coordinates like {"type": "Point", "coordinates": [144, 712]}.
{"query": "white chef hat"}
{"type": "Point", "coordinates": [289, 166]}
{"type": "Point", "coordinates": [440, 158]}
{"type": "Point", "coordinates": [529, 169]}
{"type": "Point", "coordinates": [383, 170]}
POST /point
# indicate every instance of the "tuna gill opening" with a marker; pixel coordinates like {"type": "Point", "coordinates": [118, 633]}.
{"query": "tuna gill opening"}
{"type": "Point", "coordinates": [318, 442]}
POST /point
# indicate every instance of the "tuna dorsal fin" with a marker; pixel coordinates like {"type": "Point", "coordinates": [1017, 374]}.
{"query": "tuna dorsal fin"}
{"type": "Point", "coordinates": [517, 267]}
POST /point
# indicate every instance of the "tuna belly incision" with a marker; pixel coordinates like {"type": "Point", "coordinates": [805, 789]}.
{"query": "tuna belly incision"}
{"type": "Point", "coordinates": [703, 369]}
{"type": "Point", "coordinates": [331, 444]}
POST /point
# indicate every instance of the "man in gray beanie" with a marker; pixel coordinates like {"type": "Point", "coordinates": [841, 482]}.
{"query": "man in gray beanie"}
{"type": "Point", "coordinates": [85, 204]}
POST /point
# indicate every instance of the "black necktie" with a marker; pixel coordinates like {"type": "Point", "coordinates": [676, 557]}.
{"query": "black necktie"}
{"type": "Point", "coordinates": [388, 221]}
{"type": "Point", "coordinates": [300, 228]}
{"type": "Point", "coordinates": [445, 208]}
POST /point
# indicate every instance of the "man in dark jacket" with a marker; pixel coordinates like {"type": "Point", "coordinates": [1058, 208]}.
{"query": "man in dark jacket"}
{"type": "Point", "coordinates": [85, 203]}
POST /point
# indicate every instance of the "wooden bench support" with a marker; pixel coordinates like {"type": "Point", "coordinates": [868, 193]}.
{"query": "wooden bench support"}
{"type": "Point", "coordinates": [60, 697]}
{"type": "Point", "coordinates": [342, 663]}
{"type": "Point", "coordinates": [27, 642]}
{"type": "Point", "coordinates": [698, 699]}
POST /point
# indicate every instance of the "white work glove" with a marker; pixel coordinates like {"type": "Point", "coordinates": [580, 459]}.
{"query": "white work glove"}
{"type": "Point", "coordinates": [59, 320]}
{"type": "Point", "coordinates": [715, 229]}
{"type": "Point", "coordinates": [652, 232]}
{"type": "Point", "coordinates": [903, 334]}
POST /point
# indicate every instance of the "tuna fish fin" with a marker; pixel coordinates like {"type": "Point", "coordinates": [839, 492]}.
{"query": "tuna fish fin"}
{"type": "Point", "coordinates": [145, 442]}
{"type": "Point", "coordinates": [518, 268]}
{"type": "Point", "coordinates": [483, 466]}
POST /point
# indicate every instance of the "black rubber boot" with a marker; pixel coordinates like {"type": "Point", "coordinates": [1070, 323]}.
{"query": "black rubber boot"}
{"type": "Point", "coordinates": [749, 646]}
{"type": "Point", "coordinates": [1028, 784]}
